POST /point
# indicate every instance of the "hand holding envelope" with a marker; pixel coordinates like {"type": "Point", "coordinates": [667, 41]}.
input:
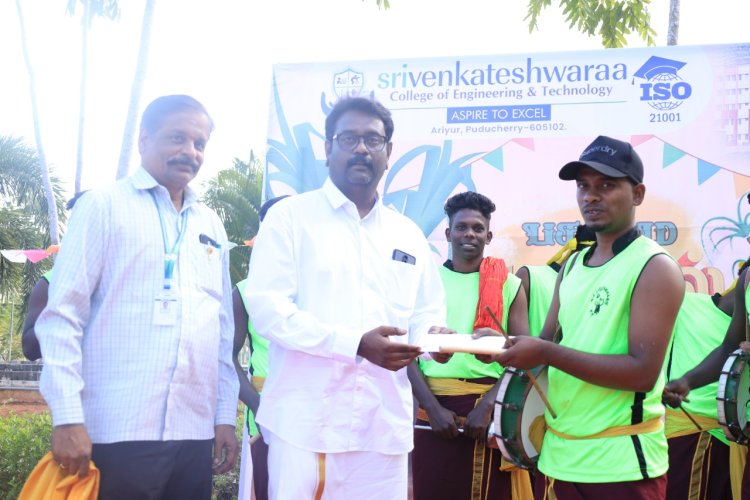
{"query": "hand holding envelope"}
{"type": "Point", "coordinates": [448, 343]}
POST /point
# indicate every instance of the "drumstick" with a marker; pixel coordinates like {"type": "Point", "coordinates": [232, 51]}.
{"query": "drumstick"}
{"type": "Point", "coordinates": [429, 428]}
{"type": "Point", "coordinates": [691, 418]}
{"type": "Point", "coordinates": [696, 424]}
{"type": "Point", "coordinates": [532, 378]}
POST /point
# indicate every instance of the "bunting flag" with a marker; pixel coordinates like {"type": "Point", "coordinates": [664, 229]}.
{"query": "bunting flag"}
{"type": "Point", "coordinates": [671, 155]}
{"type": "Point", "coordinates": [37, 255]}
{"type": "Point", "coordinates": [495, 158]}
{"type": "Point", "coordinates": [705, 170]}
{"type": "Point", "coordinates": [33, 256]}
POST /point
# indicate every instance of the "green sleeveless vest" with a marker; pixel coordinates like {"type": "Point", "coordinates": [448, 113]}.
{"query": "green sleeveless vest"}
{"type": "Point", "coordinates": [594, 316]}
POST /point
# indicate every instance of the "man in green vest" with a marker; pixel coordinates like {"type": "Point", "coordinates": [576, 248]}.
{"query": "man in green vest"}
{"type": "Point", "coordinates": [460, 394]}
{"type": "Point", "coordinates": [539, 281]}
{"type": "Point", "coordinates": [254, 457]}
{"type": "Point", "coordinates": [709, 369]}
{"type": "Point", "coordinates": [699, 455]}
{"type": "Point", "coordinates": [616, 304]}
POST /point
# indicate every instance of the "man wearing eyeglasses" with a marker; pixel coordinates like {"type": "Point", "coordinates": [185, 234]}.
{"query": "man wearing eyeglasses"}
{"type": "Point", "coordinates": [344, 288]}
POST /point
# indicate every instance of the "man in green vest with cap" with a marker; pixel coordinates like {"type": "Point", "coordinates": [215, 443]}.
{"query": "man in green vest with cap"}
{"type": "Point", "coordinates": [616, 304]}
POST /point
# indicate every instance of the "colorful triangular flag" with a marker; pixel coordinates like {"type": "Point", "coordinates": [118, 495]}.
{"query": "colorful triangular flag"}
{"type": "Point", "coordinates": [706, 171]}
{"type": "Point", "coordinates": [671, 155]}
{"type": "Point", "coordinates": [495, 158]}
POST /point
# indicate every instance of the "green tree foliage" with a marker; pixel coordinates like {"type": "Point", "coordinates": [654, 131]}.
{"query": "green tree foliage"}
{"type": "Point", "coordinates": [612, 20]}
{"type": "Point", "coordinates": [235, 195]}
{"type": "Point", "coordinates": [24, 224]}
{"type": "Point", "coordinates": [24, 440]}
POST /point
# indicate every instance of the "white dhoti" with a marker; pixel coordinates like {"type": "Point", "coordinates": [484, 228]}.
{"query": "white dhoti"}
{"type": "Point", "coordinates": [298, 474]}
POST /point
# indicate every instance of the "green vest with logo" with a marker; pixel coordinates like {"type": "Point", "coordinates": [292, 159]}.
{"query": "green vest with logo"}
{"type": "Point", "coordinates": [594, 316]}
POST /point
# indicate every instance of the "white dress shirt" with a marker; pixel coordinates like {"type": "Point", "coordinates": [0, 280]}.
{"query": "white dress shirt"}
{"type": "Point", "coordinates": [105, 363]}
{"type": "Point", "coordinates": [320, 277]}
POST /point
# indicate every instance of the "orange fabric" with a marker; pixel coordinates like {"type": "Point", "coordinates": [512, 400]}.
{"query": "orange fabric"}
{"type": "Point", "coordinates": [492, 276]}
{"type": "Point", "coordinates": [50, 482]}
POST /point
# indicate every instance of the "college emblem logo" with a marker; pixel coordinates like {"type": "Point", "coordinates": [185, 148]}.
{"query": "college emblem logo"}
{"type": "Point", "coordinates": [664, 89]}
{"type": "Point", "coordinates": [348, 83]}
{"type": "Point", "coordinates": [599, 299]}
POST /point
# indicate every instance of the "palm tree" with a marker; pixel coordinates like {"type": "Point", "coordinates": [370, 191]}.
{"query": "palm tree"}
{"type": "Point", "coordinates": [24, 214]}
{"type": "Point", "coordinates": [128, 136]}
{"type": "Point", "coordinates": [674, 22]}
{"type": "Point", "coordinates": [24, 223]}
{"type": "Point", "coordinates": [234, 194]}
{"type": "Point", "coordinates": [101, 8]}
{"type": "Point", "coordinates": [54, 232]}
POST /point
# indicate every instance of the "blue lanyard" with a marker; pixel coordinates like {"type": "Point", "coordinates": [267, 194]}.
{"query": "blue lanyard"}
{"type": "Point", "coordinates": [170, 257]}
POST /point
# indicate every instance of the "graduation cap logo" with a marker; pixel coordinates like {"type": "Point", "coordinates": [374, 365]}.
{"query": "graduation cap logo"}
{"type": "Point", "coordinates": [664, 89]}
{"type": "Point", "coordinates": [658, 67]}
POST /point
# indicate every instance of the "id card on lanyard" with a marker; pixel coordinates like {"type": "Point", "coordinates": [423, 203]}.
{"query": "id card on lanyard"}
{"type": "Point", "coordinates": [166, 302]}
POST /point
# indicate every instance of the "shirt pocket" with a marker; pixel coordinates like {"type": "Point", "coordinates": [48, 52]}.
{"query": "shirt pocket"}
{"type": "Point", "coordinates": [206, 268]}
{"type": "Point", "coordinates": [403, 286]}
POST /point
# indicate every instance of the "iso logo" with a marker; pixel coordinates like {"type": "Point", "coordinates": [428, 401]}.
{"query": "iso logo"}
{"type": "Point", "coordinates": [664, 90]}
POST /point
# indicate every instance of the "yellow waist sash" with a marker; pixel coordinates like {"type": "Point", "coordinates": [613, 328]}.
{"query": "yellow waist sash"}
{"type": "Point", "coordinates": [455, 387]}
{"type": "Point", "coordinates": [678, 424]}
{"type": "Point", "coordinates": [652, 425]}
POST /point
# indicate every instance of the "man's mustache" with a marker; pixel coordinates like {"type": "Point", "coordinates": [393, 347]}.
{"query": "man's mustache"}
{"type": "Point", "coordinates": [360, 159]}
{"type": "Point", "coordinates": [183, 160]}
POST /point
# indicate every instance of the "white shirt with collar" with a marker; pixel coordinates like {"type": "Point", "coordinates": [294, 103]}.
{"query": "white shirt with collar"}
{"type": "Point", "coordinates": [320, 277]}
{"type": "Point", "coordinates": [105, 363]}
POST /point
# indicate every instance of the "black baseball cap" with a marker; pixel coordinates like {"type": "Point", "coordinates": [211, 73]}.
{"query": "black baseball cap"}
{"type": "Point", "coordinates": [607, 156]}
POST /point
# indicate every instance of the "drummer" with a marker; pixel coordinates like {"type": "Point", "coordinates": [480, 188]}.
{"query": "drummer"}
{"type": "Point", "coordinates": [539, 281]}
{"type": "Point", "coordinates": [709, 369]}
{"type": "Point", "coordinates": [616, 303]}
{"type": "Point", "coordinates": [699, 462]}
{"type": "Point", "coordinates": [461, 393]}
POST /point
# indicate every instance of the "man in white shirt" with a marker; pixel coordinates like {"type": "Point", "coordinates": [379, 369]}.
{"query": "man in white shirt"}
{"type": "Point", "coordinates": [137, 333]}
{"type": "Point", "coordinates": [344, 288]}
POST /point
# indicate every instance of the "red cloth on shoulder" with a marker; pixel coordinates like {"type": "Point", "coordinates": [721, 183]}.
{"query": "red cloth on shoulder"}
{"type": "Point", "coordinates": [492, 275]}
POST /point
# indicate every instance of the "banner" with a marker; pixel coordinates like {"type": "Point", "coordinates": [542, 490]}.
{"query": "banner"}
{"type": "Point", "coordinates": [504, 125]}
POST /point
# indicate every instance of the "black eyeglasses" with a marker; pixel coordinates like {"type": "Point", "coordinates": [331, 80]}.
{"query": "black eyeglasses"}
{"type": "Point", "coordinates": [348, 141]}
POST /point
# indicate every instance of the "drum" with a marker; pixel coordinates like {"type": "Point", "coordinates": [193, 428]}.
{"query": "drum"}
{"type": "Point", "coordinates": [733, 396]}
{"type": "Point", "coordinates": [517, 406]}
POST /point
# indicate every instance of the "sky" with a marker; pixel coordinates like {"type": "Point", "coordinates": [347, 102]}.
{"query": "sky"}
{"type": "Point", "coordinates": [221, 52]}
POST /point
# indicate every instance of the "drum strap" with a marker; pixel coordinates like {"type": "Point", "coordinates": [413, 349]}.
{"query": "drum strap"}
{"type": "Point", "coordinates": [456, 386]}
{"type": "Point", "coordinates": [652, 425]}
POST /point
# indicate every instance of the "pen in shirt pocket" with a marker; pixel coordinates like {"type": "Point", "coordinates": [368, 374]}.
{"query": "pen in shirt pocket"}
{"type": "Point", "coordinates": [210, 243]}
{"type": "Point", "coordinates": [207, 240]}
